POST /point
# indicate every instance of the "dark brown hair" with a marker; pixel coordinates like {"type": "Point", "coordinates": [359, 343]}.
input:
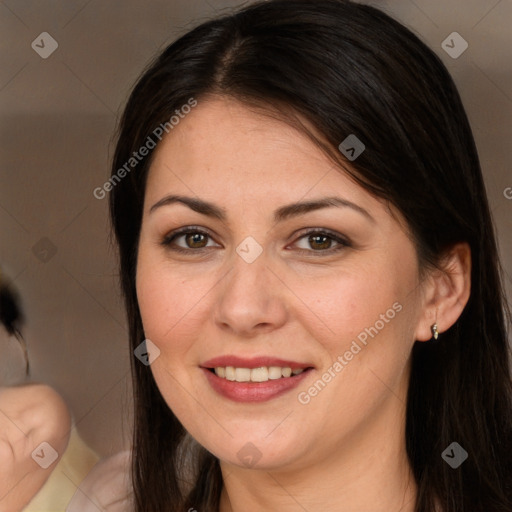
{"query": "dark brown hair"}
{"type": "Point", "coordinates": [347, 68]}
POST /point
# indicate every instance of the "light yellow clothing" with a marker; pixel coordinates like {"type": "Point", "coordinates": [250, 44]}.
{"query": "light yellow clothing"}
{"type": "Point", "coordinates": [74, 465]}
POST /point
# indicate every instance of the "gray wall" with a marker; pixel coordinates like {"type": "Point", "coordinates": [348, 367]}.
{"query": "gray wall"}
{"type": "Point", "coordinates": [57, 119]}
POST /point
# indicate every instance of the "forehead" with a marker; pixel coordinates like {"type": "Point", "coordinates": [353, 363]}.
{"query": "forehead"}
{"type": "Point", "coordinates": [223, 144]}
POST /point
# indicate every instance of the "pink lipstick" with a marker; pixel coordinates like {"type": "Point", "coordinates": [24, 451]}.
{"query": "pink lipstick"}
{"type": "Point", "coordinates": [255, 379]}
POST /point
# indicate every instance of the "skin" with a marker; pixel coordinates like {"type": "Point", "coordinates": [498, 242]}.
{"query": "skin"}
{"type": "Point", "coordinates": [299, 300]}
{"type": "Point", "coordinates": [29, 415]}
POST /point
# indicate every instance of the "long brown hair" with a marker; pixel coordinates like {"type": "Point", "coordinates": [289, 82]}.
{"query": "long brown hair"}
{"type": "Point", "coordinates": [346, 68]}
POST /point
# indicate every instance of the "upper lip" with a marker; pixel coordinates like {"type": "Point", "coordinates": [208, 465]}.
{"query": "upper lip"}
{"type": "Point", "coordinates": [254, 362]}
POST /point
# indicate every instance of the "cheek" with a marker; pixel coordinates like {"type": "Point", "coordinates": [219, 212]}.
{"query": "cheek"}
{"type": "Point", "coordinates": [347, 305]}
{"type": "Point", "coordinates": [368, 342]}
{"type": "Point", "coordinates": [169, 310]}
{"type": "Point", "coordinates": [365, 316]}
{"type": "Point", "coordinates": [167, 302]}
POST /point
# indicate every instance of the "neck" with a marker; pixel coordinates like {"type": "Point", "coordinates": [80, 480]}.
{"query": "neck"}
{"type": "Point", "coordinates": [370, 471]}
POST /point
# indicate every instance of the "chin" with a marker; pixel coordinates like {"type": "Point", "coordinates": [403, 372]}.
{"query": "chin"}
{"type": "Point", "coordinates": [252, 452]}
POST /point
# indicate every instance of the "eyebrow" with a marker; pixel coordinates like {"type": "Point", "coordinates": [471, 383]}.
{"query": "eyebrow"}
{"type": "Point", "coordinates": [281, 214]}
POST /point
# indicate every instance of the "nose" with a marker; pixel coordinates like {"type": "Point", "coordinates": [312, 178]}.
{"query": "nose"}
{"type": "Point", "coordinates": [251, 299]}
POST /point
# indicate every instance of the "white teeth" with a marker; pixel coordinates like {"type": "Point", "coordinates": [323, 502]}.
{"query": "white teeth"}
{"type": "Point", "coordinates": [242, 374]}
{"type": "Point", "coordinates": [261, 374]}
{"type": "Point", "coordinates": [274, 372]}
{"type": "Point", "coordinates": [230, 373]}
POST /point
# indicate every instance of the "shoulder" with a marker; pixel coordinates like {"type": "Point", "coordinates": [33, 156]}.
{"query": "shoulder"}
{"type": "Point", "coordinates": [107, 487]}
{"type": "Point", "coordinates": [35, 406]}
{"type": "Point", "coordinates": [37, 411]}
{"type": "Point", "coordinates": [29, 415]}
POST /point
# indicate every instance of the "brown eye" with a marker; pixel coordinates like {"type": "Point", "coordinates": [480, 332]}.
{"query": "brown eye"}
{"type": "Point", "coordinates": [321, 241]}
{"type": "Point", "coordinates": [189, 240]}
{"type": "Point", "coordinates": [195, 240]}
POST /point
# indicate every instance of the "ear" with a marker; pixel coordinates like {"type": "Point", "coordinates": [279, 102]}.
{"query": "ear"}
{"type": "Point", "coordinates": [446, 292]}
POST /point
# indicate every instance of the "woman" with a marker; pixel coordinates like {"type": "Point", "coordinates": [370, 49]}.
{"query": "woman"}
{"type": "Point", "coordinates": [306, 247]}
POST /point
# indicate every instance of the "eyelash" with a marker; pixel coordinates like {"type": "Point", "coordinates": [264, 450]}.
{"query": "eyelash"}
{"type": "Point", "coordinates": [171, 237]}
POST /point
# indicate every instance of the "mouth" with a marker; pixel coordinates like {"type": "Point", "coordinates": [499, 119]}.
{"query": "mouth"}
{"type": "Point", "coordinates": [253, 380]}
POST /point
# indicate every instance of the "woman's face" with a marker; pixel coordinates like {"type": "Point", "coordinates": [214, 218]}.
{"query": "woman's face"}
{"type": "Point", "coordinates": [266, 277]}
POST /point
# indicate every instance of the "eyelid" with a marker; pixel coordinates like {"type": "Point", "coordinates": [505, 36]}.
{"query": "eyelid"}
{"type": "Point", "coordinates": [321, 231]}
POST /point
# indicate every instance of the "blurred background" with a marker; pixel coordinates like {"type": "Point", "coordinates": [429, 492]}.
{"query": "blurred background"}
{"type": "Point", "coordinates": [66, 70]}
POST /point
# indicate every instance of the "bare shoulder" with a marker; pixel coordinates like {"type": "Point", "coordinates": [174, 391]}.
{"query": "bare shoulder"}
{"type": "Point", "coordinates": [37, 410]}
{"type": "Point", "coordinates": [30, 395]}
{"type": "Point", "coordinates": [29, 415]}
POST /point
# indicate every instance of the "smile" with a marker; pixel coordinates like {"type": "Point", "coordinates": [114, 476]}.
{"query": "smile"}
{"type": "Point", "coordinates": [254, 379]}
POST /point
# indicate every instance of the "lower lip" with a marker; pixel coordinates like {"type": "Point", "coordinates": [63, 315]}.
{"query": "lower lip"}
{"type": "Point", "coordinates": [254, 391]}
